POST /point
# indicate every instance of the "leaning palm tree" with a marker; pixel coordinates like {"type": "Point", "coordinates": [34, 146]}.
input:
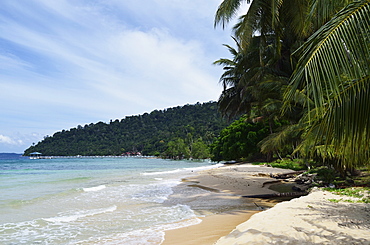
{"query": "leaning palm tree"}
{"type": "Point", "coordinates": [330, 40]}
{"type": "Point", "coordinates": [259, 72]}
{"type": "Point", "coordinates": [239, 80]}
{"type": "Point", "coordinates": [334, 69]}
{"type": "Point", "coordinates": [284, 19]}
{"type": "Point", "coordinates": [250, 88]}
{"type": "Point", "coordinates": [260, 66]}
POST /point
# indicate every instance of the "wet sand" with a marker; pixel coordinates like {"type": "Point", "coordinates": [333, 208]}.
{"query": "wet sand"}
{"type": "Point", "coordinates": [216, 196]}
{"type": "Point", "coordinates": [209, 230]}
{"type": "Point", "coordinates": [226, 216]}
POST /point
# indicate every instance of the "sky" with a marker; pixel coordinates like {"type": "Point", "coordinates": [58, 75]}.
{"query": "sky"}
{"type": "Point", "coordinates": [65, 63]}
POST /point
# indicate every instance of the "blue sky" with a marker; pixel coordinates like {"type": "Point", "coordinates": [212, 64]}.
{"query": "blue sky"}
{"type": "Point", "coordinates": [65, 63]}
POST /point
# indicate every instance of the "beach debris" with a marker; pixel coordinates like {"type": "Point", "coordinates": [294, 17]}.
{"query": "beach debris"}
{"type": "Point", "coordinates": [286, 175]}
{"type": "Point", "coordinates": [296, 188]}
{"type": "Point", "coordinates": [331, 186]}
{"type": "Point", "coordinates": [303, 179]}
{"type": "Point", "coordinates": [284, 194]}
{"type": "Point", "coordinates": [259, 207]}
{"type": "Point", "coordinates": [231, 162]}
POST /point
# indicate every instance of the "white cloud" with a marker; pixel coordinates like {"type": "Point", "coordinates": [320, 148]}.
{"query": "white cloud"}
{"type": "Point", "coordinates": [7, 140]}
{"type": "Point", "coordinates": [17, 142]}
{"type": "Point", "coordinates": [67, 62]}
{"type": "Point", "coordinates": [10, 62]}
{"type": "Point", "coordinates": [126, 66]}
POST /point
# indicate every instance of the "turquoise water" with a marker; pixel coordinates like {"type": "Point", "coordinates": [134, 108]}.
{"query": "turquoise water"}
{"type": "Point", "coordinates": [91, 200]}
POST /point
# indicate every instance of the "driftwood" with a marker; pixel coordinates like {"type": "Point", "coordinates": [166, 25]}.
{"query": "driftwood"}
{"type": "Point", "coordinates": [272, 195]}
{"type": "Point", "coordinates": [287, 175]}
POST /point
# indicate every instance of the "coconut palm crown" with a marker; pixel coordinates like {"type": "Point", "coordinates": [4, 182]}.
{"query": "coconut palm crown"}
{"type": "Point", "coordinates": [322, 50]}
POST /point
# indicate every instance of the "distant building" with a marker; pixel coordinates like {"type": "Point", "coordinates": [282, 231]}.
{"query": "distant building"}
{"type": "Point", "coordinates": [35, 155]}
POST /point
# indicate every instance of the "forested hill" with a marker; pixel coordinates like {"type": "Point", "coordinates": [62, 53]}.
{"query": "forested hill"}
{"type": "Point", "coordinates": [149, 133]}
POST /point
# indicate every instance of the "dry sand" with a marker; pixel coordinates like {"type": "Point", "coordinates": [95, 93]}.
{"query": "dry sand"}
{"type": "Point", "coordinates": [216, 196]}
{"type": "Point", "coordinates": [240, 180]}
{"type": "Point", "coordinates": [310, 219]}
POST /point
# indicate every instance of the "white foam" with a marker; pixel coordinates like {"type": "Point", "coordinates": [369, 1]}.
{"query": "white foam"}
{"type": "Point", "coordinates": [156, 192]}
{"type": "Point", "coordinates": [195, 169]}
{"type": "Point", "coordinates": [80, 214]}
{"type": "Point", "coordinates": [163, 172]}
{"type": "Point", "coordinates": [151, 236]}
{"type": "Point", "coordinates": [95, 188]}
{"type": "Point", "coordinates": [184, 223]}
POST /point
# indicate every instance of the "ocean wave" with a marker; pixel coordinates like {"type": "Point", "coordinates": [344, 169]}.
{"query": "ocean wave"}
{"type": "Point", "coordinates": [178, 216]}
{"type": "Point", "coordinates": [156, 192]}
{"type": "Point", "coordinates": [163, 172]}
{"type": "Point", "coordinates": [79, 215]}
{"type": "Point", "coordinates": [195, 169]}
{"type": "Point", "coordinates": [150, 236]}
{"type": "Point", "coordinates": [205, 167]}
{"type": "Point", "coordinates": [95, 188]}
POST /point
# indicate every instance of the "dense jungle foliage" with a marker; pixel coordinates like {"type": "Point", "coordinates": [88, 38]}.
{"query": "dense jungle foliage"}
{"type": "Point", "coordinates": [307, 63]}
{"type": "Point", "coordinates": [239, 141]}
{"type": "Point", "coordinates": [179, 132]}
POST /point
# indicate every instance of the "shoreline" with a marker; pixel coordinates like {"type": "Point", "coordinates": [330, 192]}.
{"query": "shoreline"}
{"type": "Point", "coordinates": [215, 195]}
{"type": "Point", "coordinates": [210, 230]}
{"type": "Point", "coordinates": [228, 218]}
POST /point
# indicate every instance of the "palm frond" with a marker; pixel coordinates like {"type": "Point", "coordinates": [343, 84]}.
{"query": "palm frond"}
{"type": "Point", "coordinates": [249, 24]}
{"type": "Point", "coordinates": [224, 62]}
{"type": "Point", "coordinates": [296, 23]}
{"type": "Point", "coordinates": [275, 7]}
{"type": "Point", "coordinates": [336, 53]}
{"type": "Point", "coordinates": [226, 11]}
{"type": "Point", "coordinates": [276, 141]}
{"type": "Point", "coordinates": [346, 124]}
{"type": "Point", "coordinates": [323, 10]}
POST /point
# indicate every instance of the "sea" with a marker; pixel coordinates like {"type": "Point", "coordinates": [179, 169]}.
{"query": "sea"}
{"type": "Point", "coordinates": [97, 200]}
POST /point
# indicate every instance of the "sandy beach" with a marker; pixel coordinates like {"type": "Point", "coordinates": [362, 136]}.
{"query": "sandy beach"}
{"type": "Point", "coordinates": [311, 219]}
{"type": "Point", "coordinates": [228, 218]}
{"type": "Point", "coordinates": [209, 230]}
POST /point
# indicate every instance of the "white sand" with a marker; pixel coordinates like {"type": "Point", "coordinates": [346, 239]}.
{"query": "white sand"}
{"type": "Point", "coordinates": [219, 200]}
{"type": "Point", "coordinates": [310, 219]}
{"type": "Point", "coordinates": [241, 180]}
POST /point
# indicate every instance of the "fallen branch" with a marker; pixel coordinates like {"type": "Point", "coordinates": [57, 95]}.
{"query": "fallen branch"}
{"type": "Point", "coordinates": [285, 194]}
{"type": "Point", "coordinates": [287, 175]}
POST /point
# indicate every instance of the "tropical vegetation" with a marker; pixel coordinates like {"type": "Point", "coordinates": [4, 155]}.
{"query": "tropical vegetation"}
{"type": "Point", "coordinates": [179, 132]}
{"type": "Point", "coordinates": [239, 141]}
{"type": "Point", "coordinates": [306, 63]}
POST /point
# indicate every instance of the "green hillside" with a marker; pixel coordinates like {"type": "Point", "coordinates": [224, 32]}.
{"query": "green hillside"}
{"type": "Point", "coordinates": [149, 133]}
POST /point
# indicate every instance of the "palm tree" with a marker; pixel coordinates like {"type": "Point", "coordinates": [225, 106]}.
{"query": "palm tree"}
{"type": "Point", "coordinates": [334, 71]}
{"type": "Point", "coordinates": [328, 43]}
{"type": "Point", "coordinates": [282, 19]}
{"type": "Point", "coordinates": [254, 80]}
{"type": "Point", "coordinates": [238, 81]}
{"type": "Point", "coordinates": [250, 88]}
